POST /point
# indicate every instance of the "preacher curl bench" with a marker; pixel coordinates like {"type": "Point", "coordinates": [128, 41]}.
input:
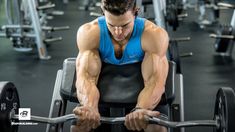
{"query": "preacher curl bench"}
{"type": "Point", "coordinates": [119, 87]}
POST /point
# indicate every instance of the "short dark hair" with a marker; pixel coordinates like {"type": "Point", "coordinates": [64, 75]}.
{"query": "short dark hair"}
{"type": "Point", "coordinates": [118, 7]}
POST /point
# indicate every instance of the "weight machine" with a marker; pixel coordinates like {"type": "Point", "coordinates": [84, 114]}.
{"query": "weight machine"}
{"type": "Point", "coordinates": [27, 26]}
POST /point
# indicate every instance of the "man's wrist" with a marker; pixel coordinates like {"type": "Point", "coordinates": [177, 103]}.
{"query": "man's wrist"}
{"type": "Point", "coordinates": [136, 108]}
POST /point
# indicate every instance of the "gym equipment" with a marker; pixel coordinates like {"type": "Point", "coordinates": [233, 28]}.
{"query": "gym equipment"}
{"type": "Point", "coordinates": [126, 77]}
{"type": "Point", "coordinates": [225, 35]}
{"type": "Point", "coordinates": [209, 12]}
{"type": "Point", "coordinates": [10, 101]}
{"type": "Point", "coordinates": [169, 11]}
{"type": "Point", "coordinates": [174, 10]}
{"type": "Point", "coordinates": [88, 5]}
{"type": "Point", "coordinates": [174, 55]}
{"type": "Point", "coordinates": [222, 43]}
{"type": "Point", "coordinates": [64, 91]}
{"type": "Point", "coordinates": [27, 26]}
{"type": "Point", "coordinates": [223, 114]}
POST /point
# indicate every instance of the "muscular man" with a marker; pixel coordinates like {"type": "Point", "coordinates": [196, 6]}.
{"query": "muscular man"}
{"type": "Point", "coordinates": [120, 37]}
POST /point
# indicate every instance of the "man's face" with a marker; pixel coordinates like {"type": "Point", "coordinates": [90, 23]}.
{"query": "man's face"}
{"type": "Point", "coordinates": [120, 26]}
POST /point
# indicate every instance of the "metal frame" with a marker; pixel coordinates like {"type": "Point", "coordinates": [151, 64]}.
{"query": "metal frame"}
{"type": "Point", "coordinates": [42, 51]}
{"type": "Point", "coordinates": [58, 105]}
{"type": "Point", "coordinates": [37, 25]}
{"type": "Point", "coordinates": [232, 23]}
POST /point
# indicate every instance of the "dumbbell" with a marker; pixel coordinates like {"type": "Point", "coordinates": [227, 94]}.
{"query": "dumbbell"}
{"type": "Point", "coordinates": [223, 116]}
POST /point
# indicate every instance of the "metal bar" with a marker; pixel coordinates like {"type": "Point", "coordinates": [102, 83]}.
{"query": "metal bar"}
{"type": "Point", "coordinates": [57, 13]}
{"type": "Point", "coordinates": [95, 14]}
{"type": "Point", "coordinates": [182, 15]}
{"type": "Point", "coordinates": [159, 13]}
{"type": "Point", "coordinates": [52, 39]}
{"type": "Point", "coordinates": [222, 36]}
{"type": "Point", "coordinates": [7, 10]}
{"type": "Point", "coordinates": [181, 39]}
{"type": "Point", "coordinates": [17, 15]}
{"type": "Point", "coordinates": [225, 5]}
{"type": "Point", "coordinates": [121, 120]}
{"type": "Point", "coordinates": [30, 35]}
{"type": "Point", "coordinates": [233, 20]}
{"type": "Point", "coordinates": [42, 51]}
{"type": "Point", "coordinates": [48, 6]}
{"type": "Point", "coordinates": [60, 28]}
{"type": "Point", "coordinates": [184, 123]}
{"type": "Point", "coordinates": [55, 120]}
{"type": "Point", "coordinates": [186, 54]}
{"type": "Point", "coordinates": [3, 35]}
{"type": "Point", "coordinates": [179, 99]}
{"type": "Point", "coordinates": [16, 26]}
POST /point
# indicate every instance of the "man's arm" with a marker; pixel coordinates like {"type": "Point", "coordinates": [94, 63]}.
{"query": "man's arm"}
{"type": "Point", "coordinates": [88, 68]}
{"type": "Point", "coordinates": [154, 67]}
{"type": "Point", "coordinates": [154, 70]}
{"type": "Point", "coordinates": [88, 65]}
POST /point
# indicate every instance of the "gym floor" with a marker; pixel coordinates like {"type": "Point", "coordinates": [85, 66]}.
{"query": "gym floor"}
{"type": "Point", "coordinates": [203, 73]}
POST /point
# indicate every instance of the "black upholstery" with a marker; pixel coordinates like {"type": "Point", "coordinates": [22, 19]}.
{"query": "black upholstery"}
{"type": "Point", "coordinates": [146, 2]}
{"type": "Point", "coordinates": [120, 83]}
{"type": "Point", "coordinates": [117, 84]}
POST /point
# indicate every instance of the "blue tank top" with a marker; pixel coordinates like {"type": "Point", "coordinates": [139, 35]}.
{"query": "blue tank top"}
{"type": "Point", "coordinates": [133, 51]}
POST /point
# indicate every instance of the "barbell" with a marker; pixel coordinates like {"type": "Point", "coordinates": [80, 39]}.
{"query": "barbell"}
{"type": "Point", "coordinates": [223, 115]}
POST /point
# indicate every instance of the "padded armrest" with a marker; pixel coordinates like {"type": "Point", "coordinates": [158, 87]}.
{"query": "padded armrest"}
{"type": "Point", "coordinates": [170, 82]}
{"type": "Point", "coordinates": [121, 86]}
{"type": "Point", "coordinates": [68, 89]}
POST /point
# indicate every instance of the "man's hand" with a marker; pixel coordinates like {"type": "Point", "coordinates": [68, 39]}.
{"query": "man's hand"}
{"type": "Point", "coordinates": [89, 118]}
{"type": "Point", "coordinates": [137, 120]}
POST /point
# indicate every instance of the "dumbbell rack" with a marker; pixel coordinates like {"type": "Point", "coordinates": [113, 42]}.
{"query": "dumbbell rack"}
{"type": "Point", "coordinates": [31, 32]}
{"type": "Point", "coordinates": [229, 38]}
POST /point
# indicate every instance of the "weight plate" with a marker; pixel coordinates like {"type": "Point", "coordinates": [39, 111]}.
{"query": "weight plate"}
{"type": "Point", "coordinates": [9, 100]}
{"type": "Point", "coordinates": [225, 110]}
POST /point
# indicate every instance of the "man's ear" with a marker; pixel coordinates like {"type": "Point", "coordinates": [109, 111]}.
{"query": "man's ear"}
{"type": "Point", "coordinates": [102, 10]}
{"type": "Point", "coordinates": [136, 11]}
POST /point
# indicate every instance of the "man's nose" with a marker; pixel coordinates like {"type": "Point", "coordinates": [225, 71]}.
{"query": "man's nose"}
{"type": "Point", "coordinates": [118, 30]}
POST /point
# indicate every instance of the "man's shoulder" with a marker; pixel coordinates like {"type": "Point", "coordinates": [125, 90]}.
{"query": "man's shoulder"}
{"type": "Point", "coordinates": [90, 27]}
{"type": "Point", "coordinates": [88, 35]}
{"type": "Point", "coordinates": [151, 29]}
{"type": "Point", "coordinates": [153, 37]}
